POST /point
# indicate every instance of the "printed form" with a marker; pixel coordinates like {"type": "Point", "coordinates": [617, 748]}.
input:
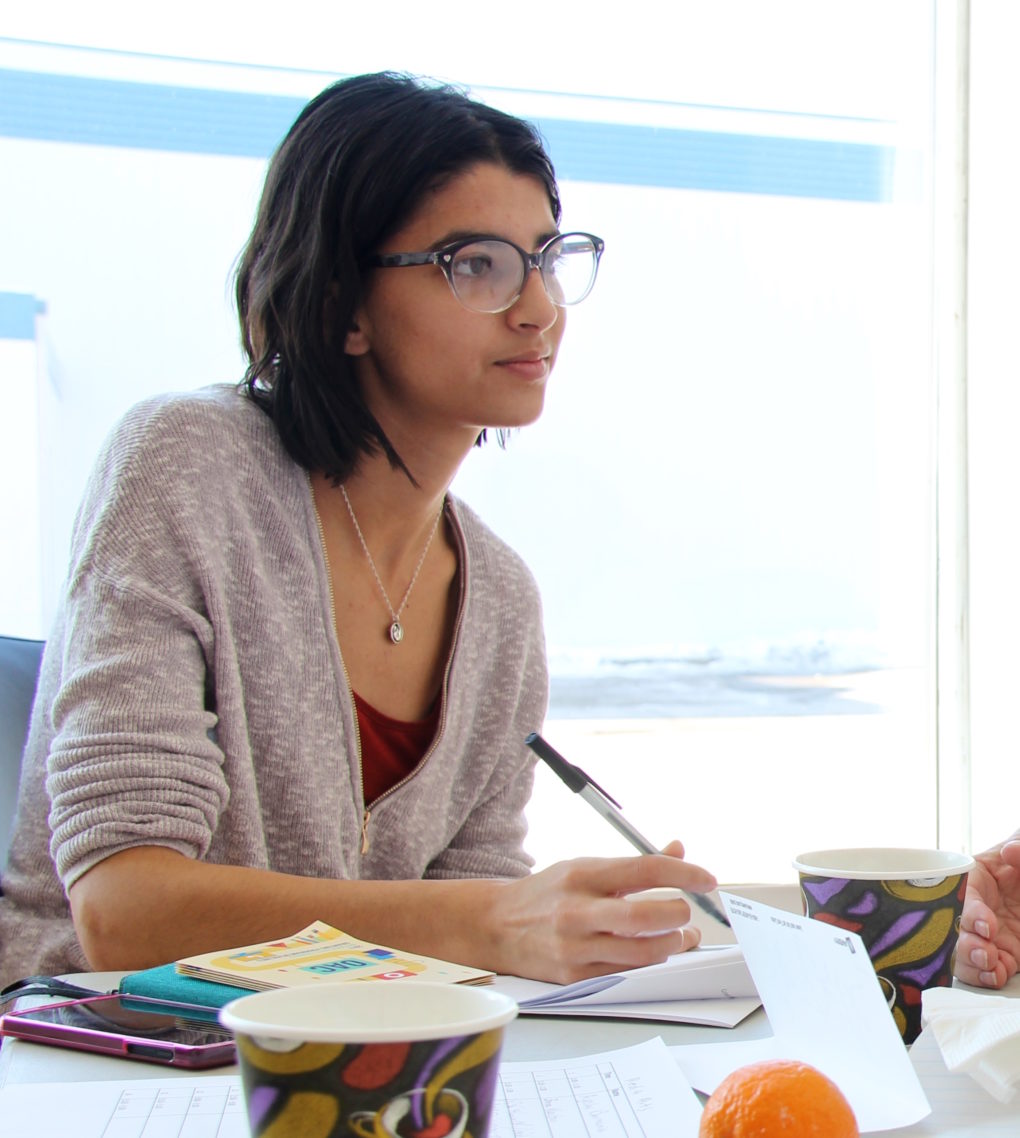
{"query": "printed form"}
{"type": "Point", "coordinates": [636, 1092]}
{"type": "Point", "coordinates": [172, 1107]}
{"type": "Point", "coordinates": [175, 1110]}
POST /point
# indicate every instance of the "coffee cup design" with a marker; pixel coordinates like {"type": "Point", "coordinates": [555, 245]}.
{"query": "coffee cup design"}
{"type": "Point", "coordinates": [905, 904]}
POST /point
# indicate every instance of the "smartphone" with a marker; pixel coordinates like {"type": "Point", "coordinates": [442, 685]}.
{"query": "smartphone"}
{"type": "Point", "coordinates": [133, 1027]}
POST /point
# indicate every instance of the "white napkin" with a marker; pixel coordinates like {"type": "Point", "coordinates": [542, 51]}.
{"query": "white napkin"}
{"type": "Point", "coordinates": [978, 1034]}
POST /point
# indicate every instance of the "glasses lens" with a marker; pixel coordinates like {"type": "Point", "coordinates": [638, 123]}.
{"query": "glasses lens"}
{"type": "Point", "coordinates": [569, 266]}
{"type": "Point", "coordinates": [486, 275]}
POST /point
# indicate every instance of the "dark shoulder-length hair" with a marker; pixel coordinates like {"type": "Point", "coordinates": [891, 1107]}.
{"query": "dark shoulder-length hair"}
{"type": "Point", "coordinates": [352, 169]}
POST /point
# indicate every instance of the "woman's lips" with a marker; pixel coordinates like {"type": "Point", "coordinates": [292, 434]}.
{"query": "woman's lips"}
{"type": "Point", "coordinates": [529, 366]}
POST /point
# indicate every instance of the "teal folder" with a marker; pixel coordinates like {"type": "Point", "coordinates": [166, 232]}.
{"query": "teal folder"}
{"type": "Point", "coordinates": [166, 983]}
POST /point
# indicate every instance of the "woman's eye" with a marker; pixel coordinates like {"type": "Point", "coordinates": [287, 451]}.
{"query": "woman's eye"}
{"type": "Point", "coordinates": [473, 265]}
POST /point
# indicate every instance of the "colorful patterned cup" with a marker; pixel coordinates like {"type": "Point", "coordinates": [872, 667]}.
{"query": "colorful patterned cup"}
{"type": "Point", "coordinates": [905, 905]}
{"type": "Point", "coordinates": [370, 1059]}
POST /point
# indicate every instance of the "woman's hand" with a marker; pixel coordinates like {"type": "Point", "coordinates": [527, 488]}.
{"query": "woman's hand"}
{"type": "Point", "coordinates": [989, 949]}
{"type": "Point", "coordinates": [577, 919]}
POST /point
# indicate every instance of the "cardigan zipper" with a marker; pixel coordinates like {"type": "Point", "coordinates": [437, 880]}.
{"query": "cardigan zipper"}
{"type": "Point", "coordinates": [366, 816]}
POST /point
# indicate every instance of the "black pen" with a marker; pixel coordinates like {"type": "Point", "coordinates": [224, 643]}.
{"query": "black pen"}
{"type": "Point", "coordinates": [584, 785]}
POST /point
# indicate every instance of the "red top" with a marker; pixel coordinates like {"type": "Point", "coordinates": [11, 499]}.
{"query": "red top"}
{"type": "Point", "coordinates": [391, 748]}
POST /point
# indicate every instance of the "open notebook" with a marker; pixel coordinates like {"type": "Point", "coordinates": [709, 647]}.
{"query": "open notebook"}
{"type": "Point", "coordinates": [708, 985]}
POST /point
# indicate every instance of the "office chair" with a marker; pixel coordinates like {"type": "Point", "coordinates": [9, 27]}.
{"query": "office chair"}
{"type": "Point", "coordinates": [19, 670]}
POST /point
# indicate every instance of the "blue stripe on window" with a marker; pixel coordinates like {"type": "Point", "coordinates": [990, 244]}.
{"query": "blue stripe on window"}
{"type": "Point", "coordinates": [146, 116]}
{"type": "Point", "coordinates": [109, 112]}
{"type": "Point", "coordinates": [17, 315]}
{"type": "Point", "coordinates": [711, 160]}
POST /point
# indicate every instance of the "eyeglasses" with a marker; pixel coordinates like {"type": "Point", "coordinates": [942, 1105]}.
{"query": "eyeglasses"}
{"type": "Point", "coordinates": [487, 274]}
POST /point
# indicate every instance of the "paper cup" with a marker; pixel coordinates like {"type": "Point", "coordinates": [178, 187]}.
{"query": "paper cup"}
{"type": "Point", "coordinates": [370, 1059]}
{"type": "Point", "coordinates": [905, 904]}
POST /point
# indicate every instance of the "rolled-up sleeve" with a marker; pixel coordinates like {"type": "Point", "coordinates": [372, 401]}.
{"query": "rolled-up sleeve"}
{"type": "Point", "coordinates": [133, 759]}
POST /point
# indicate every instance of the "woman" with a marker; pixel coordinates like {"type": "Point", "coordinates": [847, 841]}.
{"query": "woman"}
{"type": "Point", "coordinates": [292, 676]}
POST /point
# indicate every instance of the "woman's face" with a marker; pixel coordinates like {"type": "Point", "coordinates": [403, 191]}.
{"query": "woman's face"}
{"type": "Point", "coordinates": [424, 360]}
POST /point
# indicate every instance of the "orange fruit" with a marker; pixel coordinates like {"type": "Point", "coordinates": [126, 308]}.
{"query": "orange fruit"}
{"type": "Point", "coordinates": [777, 1097]}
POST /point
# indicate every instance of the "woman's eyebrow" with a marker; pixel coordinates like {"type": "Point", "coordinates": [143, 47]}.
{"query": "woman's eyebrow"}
{"type": "Point", "coordinates": [456, 235]}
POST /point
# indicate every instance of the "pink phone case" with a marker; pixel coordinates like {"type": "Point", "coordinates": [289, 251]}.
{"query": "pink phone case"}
{"type": "Point", "coordinates": [132, 1027]}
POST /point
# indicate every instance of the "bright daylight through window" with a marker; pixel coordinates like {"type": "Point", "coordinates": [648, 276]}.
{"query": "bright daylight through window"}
{"type": "Point", "coordinates": [728, 502]}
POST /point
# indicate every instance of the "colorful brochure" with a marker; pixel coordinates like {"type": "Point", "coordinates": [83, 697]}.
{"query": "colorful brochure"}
{"type": "Point", "coordinates": [321, 953]}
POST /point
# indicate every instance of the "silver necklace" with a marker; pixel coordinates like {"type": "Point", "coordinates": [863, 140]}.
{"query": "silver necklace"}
{"type": "Point", "coordinates": [396, 629]}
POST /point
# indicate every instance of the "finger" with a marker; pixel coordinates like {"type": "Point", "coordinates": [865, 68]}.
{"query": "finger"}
{"type": "Point", "coordinates": [982, 962]}
{"type": "Point", "coordinates": [648, 871]}
{"type": "Point", "coordinates": [1010, 853]}
{"type": "Point", "coordinates": [691, 937]}
{"type": "Point", "coordinates": [978, 917]}
{"type": "Point", "coordinates": [676, 848]}
{"type": "Point", "coordinates": [623, 952]}
{"type": "Point", "coordinates": [976, 956]}
{"type": "Point", "coordinates": [981, 977]}
{"type": "Point", "coordinates": [638, 915]}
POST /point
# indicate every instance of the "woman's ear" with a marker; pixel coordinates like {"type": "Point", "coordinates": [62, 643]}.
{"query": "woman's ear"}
{"type": "Point", "coordinates": [356, 341]}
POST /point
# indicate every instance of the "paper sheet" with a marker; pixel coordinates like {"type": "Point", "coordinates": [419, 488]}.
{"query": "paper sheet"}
{"type": "Point", "coordinates": [630, 1093]}
{"type": "Point", "coordinates": [211, 1106]}
{"type": "Point", "coordinates": [635, 1092]}
{"type": "Point", "coordinates": [707, 985]}
{"type": "Point", "coordinates": [716, 972]}
{"type": "Point", "coordinates": [707, 1013]}
{"type": "Point", "coordinates": [825, 1007]}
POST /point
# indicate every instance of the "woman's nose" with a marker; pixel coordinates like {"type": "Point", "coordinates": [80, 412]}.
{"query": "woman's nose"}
{"type": "Point", "coordinates": [534, 307]}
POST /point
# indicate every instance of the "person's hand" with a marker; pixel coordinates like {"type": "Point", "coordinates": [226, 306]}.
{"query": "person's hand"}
{"type": "Point", "coordinates": [989, 949]}
{"type": "Point", "coordinates": [577, 919]}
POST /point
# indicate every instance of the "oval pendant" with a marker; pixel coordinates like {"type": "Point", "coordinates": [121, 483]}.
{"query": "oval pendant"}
{"type": "Point", "coordinates": [396, 632]}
